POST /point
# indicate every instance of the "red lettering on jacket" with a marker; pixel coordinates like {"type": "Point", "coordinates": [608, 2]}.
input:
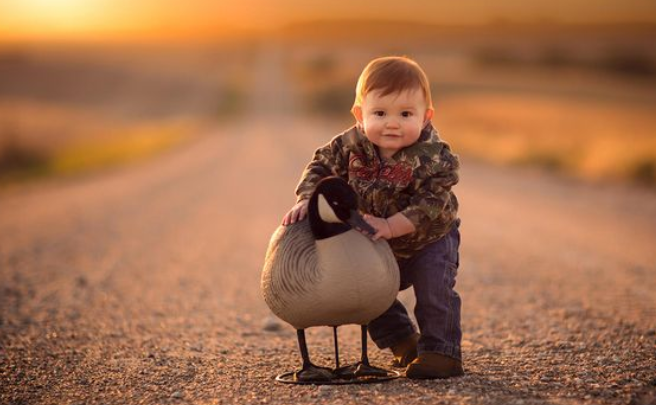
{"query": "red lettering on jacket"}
{"type": "Point", "coordinates": [399, 174]}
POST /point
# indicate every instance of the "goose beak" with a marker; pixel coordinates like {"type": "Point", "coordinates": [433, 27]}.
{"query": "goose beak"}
{"type": "Point", "coordinates": [356, 221]}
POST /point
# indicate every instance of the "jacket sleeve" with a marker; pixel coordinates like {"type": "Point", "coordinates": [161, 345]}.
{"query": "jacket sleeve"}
{"type": "Point", "coordinates": [329, 160]}
{"type": "Point", "coordinates": [433, 207]}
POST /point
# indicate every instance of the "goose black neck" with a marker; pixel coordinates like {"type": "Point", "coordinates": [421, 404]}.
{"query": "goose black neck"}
{"type": "Point", "coordinates": [320, 228]}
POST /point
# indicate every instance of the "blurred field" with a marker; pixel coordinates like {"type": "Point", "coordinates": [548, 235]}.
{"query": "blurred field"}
{"type": "Point", "coordinates": [69, 109]}
{"type": "Point", "coordinates": [573, 100]}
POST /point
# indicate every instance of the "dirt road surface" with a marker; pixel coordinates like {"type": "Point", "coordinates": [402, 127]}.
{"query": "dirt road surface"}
{"type": "Point", "coordinates": [142, 285]}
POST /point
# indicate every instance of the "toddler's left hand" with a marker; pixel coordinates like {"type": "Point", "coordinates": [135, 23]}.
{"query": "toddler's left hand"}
{"type": "Point", "coordinates": [381, 226]}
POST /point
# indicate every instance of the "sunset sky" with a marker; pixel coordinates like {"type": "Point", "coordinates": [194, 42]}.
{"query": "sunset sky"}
{"type": "Point", "coordinates": [115, 19]}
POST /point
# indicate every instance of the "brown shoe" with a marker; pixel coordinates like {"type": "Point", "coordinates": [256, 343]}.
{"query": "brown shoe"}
{"type": "Point", "coordinates": [405, 351]}
{"type": "Point", "coordinates": [434, 365]}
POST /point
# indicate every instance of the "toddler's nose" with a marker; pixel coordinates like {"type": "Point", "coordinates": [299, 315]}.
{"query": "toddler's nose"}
{"type": "Point", "coordinates": [392, 123]}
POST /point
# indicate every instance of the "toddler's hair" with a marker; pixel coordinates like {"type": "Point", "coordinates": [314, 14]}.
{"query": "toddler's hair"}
{"type": "Point", "coordinates": [392, 74]}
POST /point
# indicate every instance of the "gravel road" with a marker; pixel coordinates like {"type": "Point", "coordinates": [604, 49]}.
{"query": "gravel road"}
{"type": "Point", "coordinates": [142, 285]}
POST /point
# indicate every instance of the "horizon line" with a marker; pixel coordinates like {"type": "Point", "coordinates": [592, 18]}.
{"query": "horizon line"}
{"type": "Point", "coordinates": [181, 37]}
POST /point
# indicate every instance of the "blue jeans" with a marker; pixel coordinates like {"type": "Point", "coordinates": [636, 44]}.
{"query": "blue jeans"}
{"type": "Point", "coordinates": [432, 271]}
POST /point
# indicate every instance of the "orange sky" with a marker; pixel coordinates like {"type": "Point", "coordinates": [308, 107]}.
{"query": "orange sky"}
{"type": "Point", "coordinates": [111, 19]}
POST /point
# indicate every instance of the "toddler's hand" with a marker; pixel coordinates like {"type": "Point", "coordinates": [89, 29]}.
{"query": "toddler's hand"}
{"type": "Point", "coordinates": [381, 226]}
{"type": "Point", "coordinates": [297, 213]}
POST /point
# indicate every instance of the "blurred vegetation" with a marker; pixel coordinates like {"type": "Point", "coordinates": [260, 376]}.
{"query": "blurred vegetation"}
{"type": "Point", "coordinates": [644, 171]}
{"type": "Point", "coordinates": [73, 109]}
{"type": "Point", "coordinates": [230, 103]}
{"type": "Point", "coordinates": [131, 145]}
{"type": "Point", "coordinates": [614, 60]}
{"type": "Point", "coordinates": [19, 161]}
{"type": "Point", "coordinates": [332, 100]}
{"type": "Point", "coordinates": [25, 162]}
{"type": "Point", "coordinates": [322, 66]}
{"type": "Point", "coordinates": [598, 141]}
{"type": "Point", "coordinates": [632, 62]}
{"type": "Point", "coordinates": [324, 87]}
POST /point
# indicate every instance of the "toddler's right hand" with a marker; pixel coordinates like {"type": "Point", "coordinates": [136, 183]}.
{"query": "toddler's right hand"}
{"type": "Point", "coordinates": [297, 213]}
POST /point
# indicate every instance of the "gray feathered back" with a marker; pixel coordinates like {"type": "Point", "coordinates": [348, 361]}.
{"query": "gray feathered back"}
{"type": "Point", "coordinates": [293, 254]}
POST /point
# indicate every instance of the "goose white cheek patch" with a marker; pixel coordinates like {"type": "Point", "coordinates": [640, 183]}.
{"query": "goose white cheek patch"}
{"type": "Point", "coordinates": [326, 212]}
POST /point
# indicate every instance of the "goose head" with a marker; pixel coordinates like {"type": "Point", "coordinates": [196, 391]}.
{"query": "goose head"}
{"type": "Point", "coordinates": [333, 209]}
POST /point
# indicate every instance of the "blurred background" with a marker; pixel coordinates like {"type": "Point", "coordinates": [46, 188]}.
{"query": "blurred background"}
{"type": "Point", "coordinates": [562, 86]}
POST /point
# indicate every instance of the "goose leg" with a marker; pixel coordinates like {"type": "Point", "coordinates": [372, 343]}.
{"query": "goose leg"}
{"type": "Point", "coordinates": [364, 368]}
{"type": "Point", "coordinates": [361, 368]}
{"type": "Point", "coordinates": [310, 372]}
{"type": "Point", "coordinates": [336, 348]}
{"type": "Point", "coordinates": [344, 372]}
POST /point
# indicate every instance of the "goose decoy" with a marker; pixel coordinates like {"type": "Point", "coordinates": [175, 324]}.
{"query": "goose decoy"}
{"type": "Point", "coordinates": [322, 272]}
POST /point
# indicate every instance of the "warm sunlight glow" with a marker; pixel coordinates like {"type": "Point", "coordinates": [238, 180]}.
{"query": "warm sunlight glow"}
{"type": "Point", "coordinates": [56, 16]}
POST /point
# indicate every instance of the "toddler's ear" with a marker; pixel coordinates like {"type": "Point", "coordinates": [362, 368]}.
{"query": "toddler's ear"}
{"type": "Point", "coordinates": [428, 116]}
{"type": "Point", "coordinates": [357, 113]}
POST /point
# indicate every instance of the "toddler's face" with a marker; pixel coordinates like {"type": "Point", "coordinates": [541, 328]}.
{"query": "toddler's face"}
{"type": "Point", "coordinates": [393, 121]}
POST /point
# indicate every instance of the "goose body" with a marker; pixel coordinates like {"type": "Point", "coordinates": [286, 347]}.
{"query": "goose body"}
{"type": "Point", "coordinates": [344, 279]}
{"type": "Point", "coordinates": [322, 272]}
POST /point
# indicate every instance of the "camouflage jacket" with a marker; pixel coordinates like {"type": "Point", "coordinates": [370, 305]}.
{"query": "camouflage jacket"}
{"type": "Point", "coordinates": [416, 181]}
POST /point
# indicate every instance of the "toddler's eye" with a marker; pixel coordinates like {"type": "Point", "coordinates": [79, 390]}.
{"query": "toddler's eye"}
{"type": "Point", "coordinates": [406, 114]}
{"type": "Point", "coordinates": [379, 113]}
